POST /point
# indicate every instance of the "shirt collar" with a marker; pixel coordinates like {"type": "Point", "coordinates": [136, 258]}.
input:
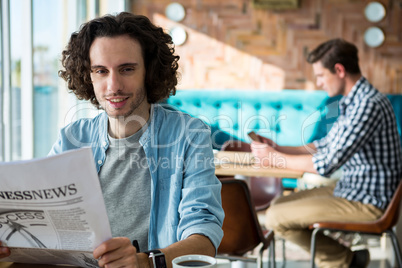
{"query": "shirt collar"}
{"type": "Point", "coordinates": [348, 99]}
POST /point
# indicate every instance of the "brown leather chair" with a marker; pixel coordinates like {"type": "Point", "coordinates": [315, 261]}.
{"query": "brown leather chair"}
{"type": "Point", "coordinates": [383, 225]}
{"type": "Point", "coordinates": [262, 189]}
{"type": "Point", "coordinates": [242, 231]}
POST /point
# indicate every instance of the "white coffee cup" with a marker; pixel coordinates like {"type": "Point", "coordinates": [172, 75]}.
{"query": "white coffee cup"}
{"type": "Point", "coordinates": [194, 261]}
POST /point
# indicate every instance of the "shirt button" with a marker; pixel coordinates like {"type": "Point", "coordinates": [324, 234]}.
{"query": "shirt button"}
{"type": "Point", "coordinates": [104, 143]}
{"type": "Point", "coordinates": [99, 162]}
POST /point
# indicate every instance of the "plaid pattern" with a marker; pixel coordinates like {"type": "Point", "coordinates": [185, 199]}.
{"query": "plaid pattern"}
{"type": "Point", "coordinates": [364, 141]}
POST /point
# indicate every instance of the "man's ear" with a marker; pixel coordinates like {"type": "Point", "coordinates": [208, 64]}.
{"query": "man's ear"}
{"type": "Point", "coordinates": [340, 70]}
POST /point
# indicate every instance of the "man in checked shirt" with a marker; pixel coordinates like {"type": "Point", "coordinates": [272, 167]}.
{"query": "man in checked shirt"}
{"type": "Point", "coordinates": [364, 142]}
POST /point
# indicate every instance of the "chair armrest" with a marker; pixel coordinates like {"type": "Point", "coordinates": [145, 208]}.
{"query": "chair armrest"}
{"type": "Point", "coordinates": [364, 227]}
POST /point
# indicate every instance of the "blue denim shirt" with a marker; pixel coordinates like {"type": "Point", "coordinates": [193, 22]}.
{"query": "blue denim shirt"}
{"type": "Point", "coordinates": [186, 195]}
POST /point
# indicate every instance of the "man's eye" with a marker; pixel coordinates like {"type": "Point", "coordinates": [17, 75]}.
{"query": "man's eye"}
{"type": "Point", "coordinates": [98, 71]}
{"type": "Point", "coordinates": [128, 69]}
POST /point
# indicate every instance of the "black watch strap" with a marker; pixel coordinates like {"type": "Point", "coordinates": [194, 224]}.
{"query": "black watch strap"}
{"type": "Point", "coordinates": [152, 251]}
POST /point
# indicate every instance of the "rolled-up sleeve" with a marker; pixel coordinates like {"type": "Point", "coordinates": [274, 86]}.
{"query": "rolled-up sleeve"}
{"type": "Point", "coordinates": [201, 209]}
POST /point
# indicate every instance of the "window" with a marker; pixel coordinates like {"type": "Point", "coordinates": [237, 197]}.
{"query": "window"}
{"type": "Point", "coordinates": [1, 88]}
{"type": "Point", "coordinates": [34, 102]}
{"type": "Point", "coordinates": [5, 121]}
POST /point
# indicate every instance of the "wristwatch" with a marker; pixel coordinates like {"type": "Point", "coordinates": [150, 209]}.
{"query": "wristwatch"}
{"type": "Point", "coordinates": [156, 258]}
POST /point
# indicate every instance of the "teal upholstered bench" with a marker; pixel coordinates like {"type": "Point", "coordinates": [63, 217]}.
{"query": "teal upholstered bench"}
{"type": "Point", "coordinates": [289, 117]}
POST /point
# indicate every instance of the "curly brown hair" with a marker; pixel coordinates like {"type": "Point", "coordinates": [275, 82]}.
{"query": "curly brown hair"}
{"type": "Point", "coordinates": [157, 50]}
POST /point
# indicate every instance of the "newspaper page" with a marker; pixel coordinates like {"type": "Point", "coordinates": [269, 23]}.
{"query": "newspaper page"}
{"type": "Point", "coordinates": [52, 209]}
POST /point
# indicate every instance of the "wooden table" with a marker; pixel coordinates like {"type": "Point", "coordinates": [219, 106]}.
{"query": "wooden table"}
{"type": "Point", "coordinates": [256, 171]}
{"type": "Point", "coordinates": [240, 163]}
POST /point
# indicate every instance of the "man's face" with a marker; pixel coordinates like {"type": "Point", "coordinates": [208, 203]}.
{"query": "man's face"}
{"type": "Point", "coordinates": [332, 83]}
{"type": "Point", "coordinates": [117, 74]}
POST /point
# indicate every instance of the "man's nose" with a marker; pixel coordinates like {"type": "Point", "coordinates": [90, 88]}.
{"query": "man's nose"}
{"type": "Point", "coordinates": [114, 82]}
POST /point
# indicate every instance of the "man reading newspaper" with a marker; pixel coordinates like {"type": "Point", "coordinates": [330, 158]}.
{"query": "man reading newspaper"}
{"type": "Point", "coordinates": [155, 165]}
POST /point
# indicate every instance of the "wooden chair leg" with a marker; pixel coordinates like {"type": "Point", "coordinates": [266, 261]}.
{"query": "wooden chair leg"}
{"type": "Point", "coordinates": [312, 247]}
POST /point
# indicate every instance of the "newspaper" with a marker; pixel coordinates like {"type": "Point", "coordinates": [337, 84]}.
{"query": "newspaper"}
{"type": "Point", "coordinates": [52, 210]}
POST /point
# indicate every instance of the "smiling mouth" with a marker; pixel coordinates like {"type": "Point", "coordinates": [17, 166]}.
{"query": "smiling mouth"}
{"type": "Point", "coordinates": [117, 100]}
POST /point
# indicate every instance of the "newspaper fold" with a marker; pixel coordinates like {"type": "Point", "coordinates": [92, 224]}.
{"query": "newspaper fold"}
{"type": "Point", "coordinates": [52, 209]}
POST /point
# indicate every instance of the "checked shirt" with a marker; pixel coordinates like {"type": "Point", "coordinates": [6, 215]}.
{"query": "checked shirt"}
{"type": "Point", "coordinates": [364, 141]}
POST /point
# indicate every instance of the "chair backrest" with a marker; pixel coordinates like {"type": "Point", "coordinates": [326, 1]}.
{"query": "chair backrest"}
{"type": "Point", "coordinates": [262, 189]}
{"type": "Point", "coordinates": [242, 231]}
{"type": "Point", "coordinates": [391, 214]}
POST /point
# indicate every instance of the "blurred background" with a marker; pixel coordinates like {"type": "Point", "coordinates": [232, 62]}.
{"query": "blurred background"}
{"type": "Point", "coordinates": [230, 44]}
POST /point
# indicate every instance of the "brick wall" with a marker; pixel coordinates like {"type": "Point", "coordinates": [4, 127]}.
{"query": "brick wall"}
{"type": "Point", "coordinates": [231, 44]}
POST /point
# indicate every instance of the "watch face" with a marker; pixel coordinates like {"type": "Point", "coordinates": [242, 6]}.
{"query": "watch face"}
{"type": "Point", "coordinates": [160, 261]}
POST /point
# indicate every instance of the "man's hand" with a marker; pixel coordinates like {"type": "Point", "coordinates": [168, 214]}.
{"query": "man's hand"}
{"type": "Point", "coordinates": [4, 251]}
{"type": "Point", "coordinates": [268, 141]}
{"type": "Point", "coordinates": [117, 252]}
{"type": "Point", "coordinates": [264, 154]}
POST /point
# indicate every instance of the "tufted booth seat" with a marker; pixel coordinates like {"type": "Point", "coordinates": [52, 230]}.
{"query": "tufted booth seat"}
{"type": "Point", "coordinates": [288, 117]}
